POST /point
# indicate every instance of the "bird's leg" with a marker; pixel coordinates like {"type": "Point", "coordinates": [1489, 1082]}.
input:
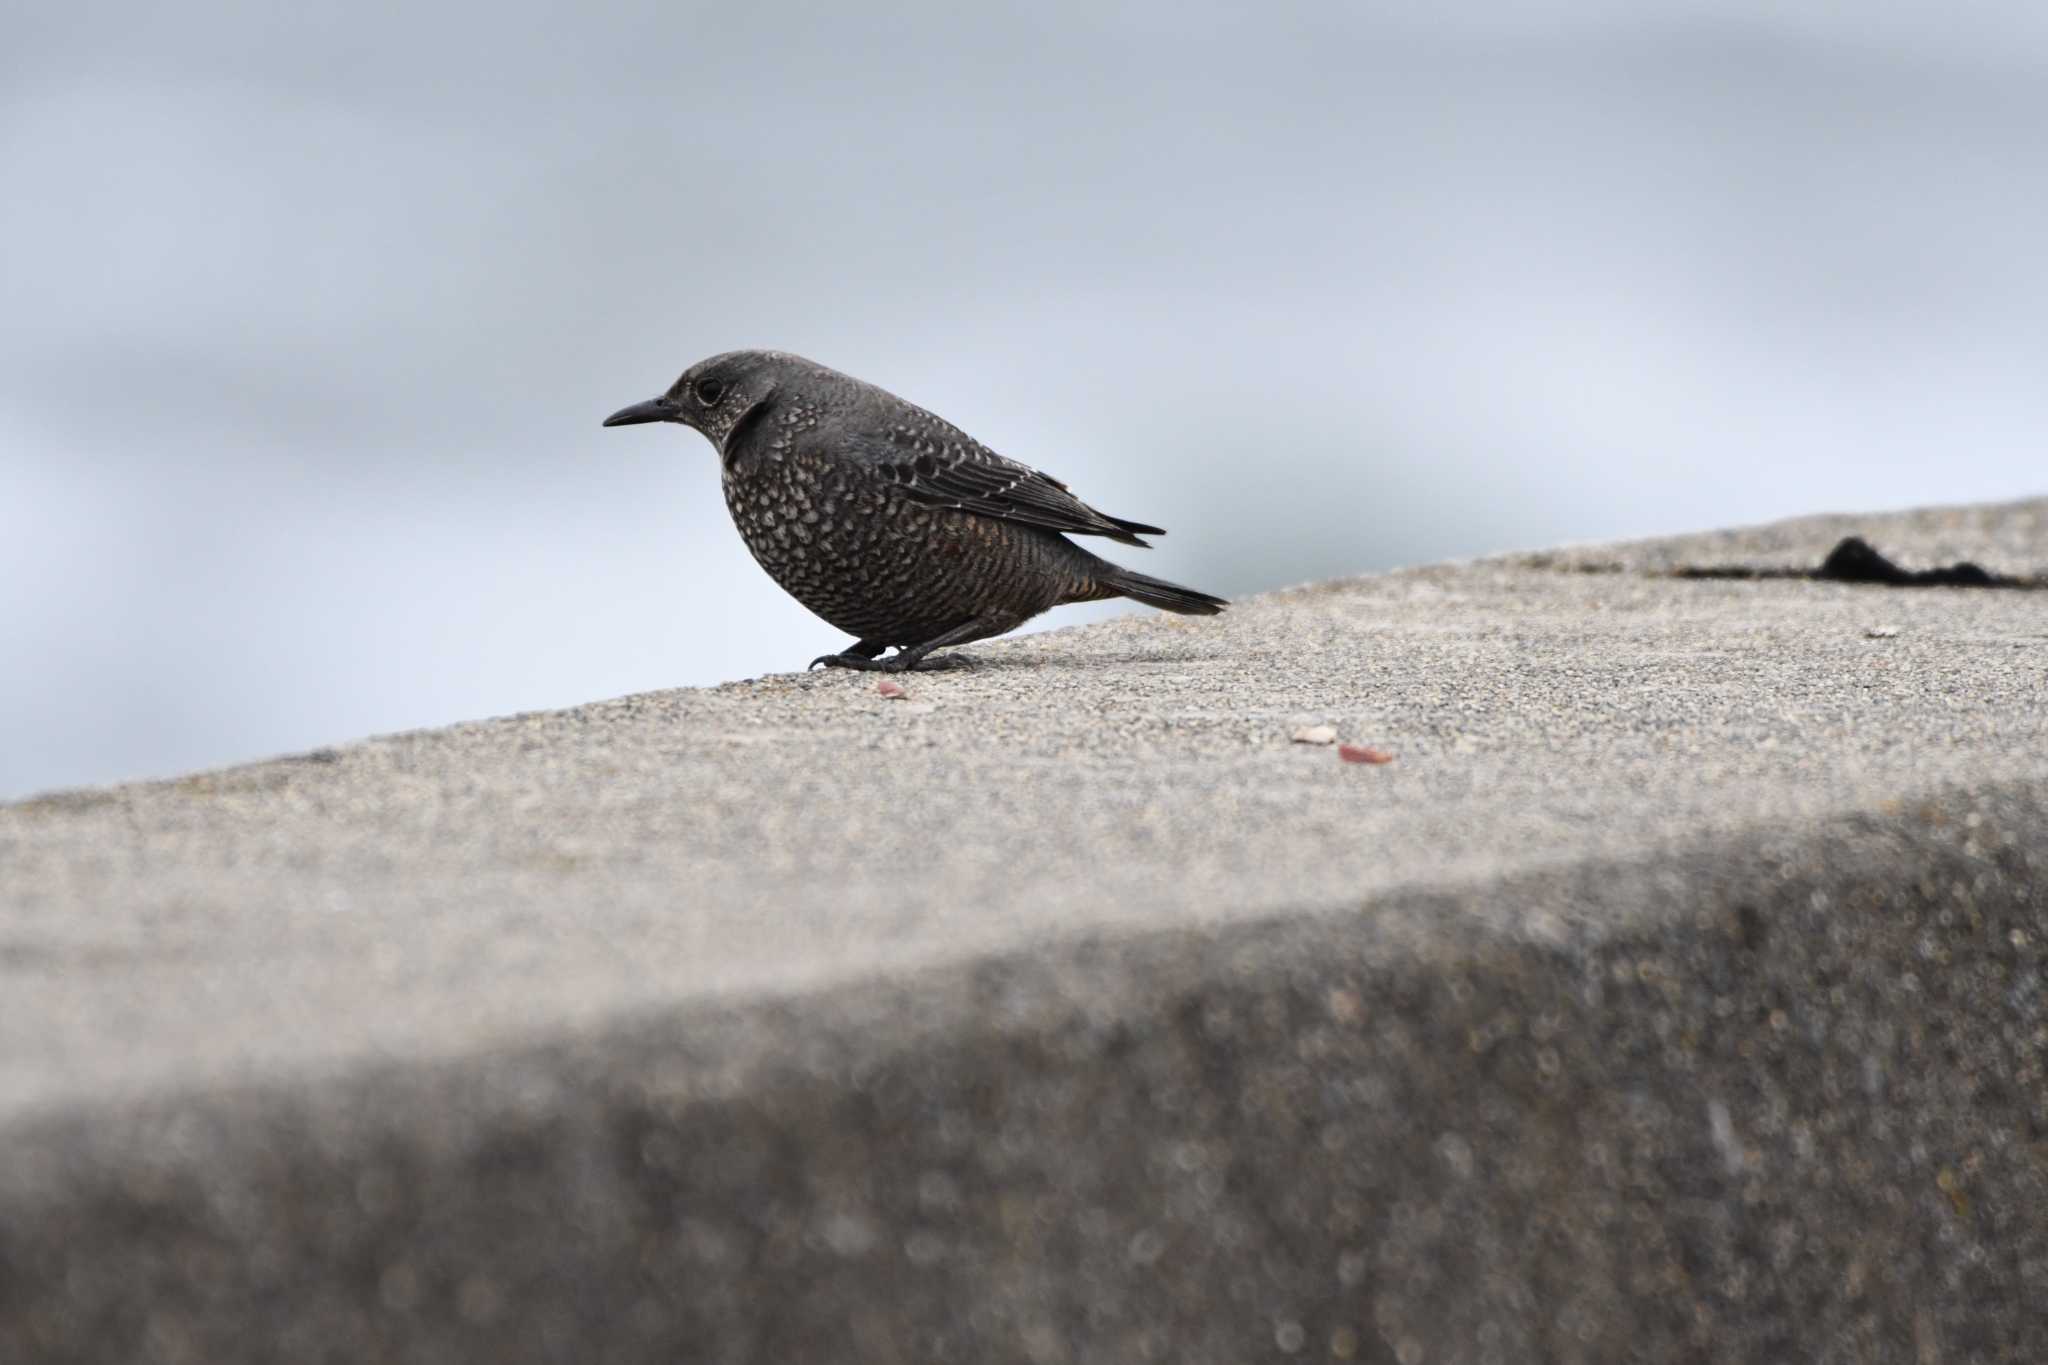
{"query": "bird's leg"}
{"type": "Point", "coordinates": [860, 655]}
{"type": "Point", "coordinates": [912, 656]}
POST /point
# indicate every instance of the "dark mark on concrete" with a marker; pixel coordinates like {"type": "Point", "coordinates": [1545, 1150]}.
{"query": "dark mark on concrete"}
{"type": "Point", "coordinates": [1855, 560]}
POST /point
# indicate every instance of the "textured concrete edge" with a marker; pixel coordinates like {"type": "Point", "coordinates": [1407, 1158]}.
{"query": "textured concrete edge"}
{"type": "Point", "coordinates": [1800, 1106]}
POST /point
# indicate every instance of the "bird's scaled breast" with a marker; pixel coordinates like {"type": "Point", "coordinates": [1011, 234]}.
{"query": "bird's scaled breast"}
{"type": "Point", "coordinates": [798, 510]}
{"type": "Point", "coordinates": [872, 560]}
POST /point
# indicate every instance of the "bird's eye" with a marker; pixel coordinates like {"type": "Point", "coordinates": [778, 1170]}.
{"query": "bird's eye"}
{"type": "Point", "coordinates": [709, 391]}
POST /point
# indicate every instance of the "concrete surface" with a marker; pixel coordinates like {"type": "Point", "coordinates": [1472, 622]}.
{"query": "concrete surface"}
{"type": "Point", "coordinates": [1676, 993]}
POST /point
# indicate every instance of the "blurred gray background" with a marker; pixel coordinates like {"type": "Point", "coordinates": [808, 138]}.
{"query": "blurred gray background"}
{"type": "Point", "coordinates": [311, 312]}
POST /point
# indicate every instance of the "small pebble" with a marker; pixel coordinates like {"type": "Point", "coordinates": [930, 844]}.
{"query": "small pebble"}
{"type": "Point", "coordinates": [1359, 753]}
{"type": "Point", "coordinates": [1316, 734]}
{"type": "Point", "coordinates": [1881, 632]}
{"type": "Point", "coordinates": [891, 689]}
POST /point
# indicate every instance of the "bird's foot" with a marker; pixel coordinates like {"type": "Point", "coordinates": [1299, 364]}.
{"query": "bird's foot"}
{"type": "Point", "coordinates": [895, 663]}
{"type": "Point", "coordinates": [935, 663]}
{"type": "Point", "coordinates": [855, 661]}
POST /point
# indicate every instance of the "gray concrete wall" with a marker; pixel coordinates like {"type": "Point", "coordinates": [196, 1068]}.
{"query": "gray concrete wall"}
{"type": "Point", "coordinates": [1676, 992]}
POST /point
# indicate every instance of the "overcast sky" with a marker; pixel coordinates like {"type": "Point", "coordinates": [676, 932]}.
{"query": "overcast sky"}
{"type": "Point", "coordinates": [311, 312]}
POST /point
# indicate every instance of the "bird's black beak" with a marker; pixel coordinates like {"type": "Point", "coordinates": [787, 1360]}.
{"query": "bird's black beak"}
{"type": "Point", "coordinates": [653, 410]}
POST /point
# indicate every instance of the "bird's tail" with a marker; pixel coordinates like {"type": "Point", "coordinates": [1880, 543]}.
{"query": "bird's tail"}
{"type": "Point", "coordinates": [1114, 580]}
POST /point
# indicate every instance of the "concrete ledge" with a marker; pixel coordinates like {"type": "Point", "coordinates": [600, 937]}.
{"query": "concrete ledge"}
{"type": "Point", "coordinates": [1676, 993]}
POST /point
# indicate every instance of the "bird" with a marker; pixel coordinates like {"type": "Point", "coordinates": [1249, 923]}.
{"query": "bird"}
{"type": "Point", "coordinates": [889, 522]}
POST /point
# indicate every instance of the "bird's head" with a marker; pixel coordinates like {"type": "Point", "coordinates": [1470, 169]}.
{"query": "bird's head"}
{"type": "Point", "coordinates": [713, 396]}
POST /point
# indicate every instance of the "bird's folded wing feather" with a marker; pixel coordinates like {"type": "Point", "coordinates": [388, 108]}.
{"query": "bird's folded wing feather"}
{"type": "Point", "coordinates": [973, 478]}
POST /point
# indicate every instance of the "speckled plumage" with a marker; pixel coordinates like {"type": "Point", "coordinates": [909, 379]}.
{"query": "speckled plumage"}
{"type": "Point", "coordinates": [886, 520]}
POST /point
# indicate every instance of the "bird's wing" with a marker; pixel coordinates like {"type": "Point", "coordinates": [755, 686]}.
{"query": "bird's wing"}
{"type": "Point", "coordinates": [966, 475]}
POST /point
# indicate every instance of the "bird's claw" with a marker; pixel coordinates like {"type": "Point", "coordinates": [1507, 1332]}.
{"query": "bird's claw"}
{"type": "Point", "coordinates": [855, 661]}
